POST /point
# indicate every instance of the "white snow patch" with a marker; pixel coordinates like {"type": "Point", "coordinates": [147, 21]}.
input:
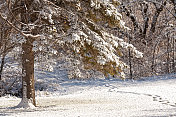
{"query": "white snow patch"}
{"type": "Point", "coordinates": [154, 96]}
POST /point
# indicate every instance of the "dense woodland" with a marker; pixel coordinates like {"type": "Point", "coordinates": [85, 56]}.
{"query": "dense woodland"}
{"type": "Point", "coordinates": [153, 33]}
{"type": "Point", "coordinates": [87, 38]}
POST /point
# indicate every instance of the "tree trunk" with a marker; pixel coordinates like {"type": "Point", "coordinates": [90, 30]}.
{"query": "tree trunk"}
{"type": "Point", "coordinates": [28, 91]}
{"type": "Point", "coordinates": [146, 19]}
{"type": "Point", "coordinates": [2, 65]}
{"type": "Point", "coordinates": [168, 54]}
{"type": "Point", "coordinates": [174, 65]}
{"type": "Point", "coordinates": [156, 15]}
{"type": "Point", "coordinates": [130, 57]}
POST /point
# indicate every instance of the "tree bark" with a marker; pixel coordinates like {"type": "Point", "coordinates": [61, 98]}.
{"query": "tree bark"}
{"type": "Point", "coordinates": [28, 72]}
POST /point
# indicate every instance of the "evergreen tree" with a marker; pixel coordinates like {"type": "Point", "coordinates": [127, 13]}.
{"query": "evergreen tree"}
{"type": "Point", "coordinates": [82, 26]}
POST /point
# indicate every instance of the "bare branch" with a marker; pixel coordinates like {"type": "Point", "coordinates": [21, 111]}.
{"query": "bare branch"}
{"type": "Point", "coordinates": [155, 17]}
{"type": "Point", "coordinates": [132, 17]}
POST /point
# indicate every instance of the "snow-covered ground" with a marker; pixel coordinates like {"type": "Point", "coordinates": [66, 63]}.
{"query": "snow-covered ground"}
{"type": "Point", "coordinates": [148, 97]}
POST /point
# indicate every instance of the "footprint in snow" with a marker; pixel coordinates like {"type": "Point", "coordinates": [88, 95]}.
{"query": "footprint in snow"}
{"type": "Point", "coordinates": [163, 101]}
{"type": "Point", "coordinates": [155, 97]}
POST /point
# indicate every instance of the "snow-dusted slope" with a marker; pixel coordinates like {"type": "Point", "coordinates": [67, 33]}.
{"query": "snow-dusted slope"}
{"type": "Point", "coordinates": [151, 97]}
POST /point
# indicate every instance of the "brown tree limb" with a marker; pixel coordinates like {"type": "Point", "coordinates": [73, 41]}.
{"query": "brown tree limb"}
{"type": "Point", "coordinates": [146, 19]}
{"type": "Point", "coordinates": [133, 18]}
{"type": "Point", "coordinates": [156, 15]}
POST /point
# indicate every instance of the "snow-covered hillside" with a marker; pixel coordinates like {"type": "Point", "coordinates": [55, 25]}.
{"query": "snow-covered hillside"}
{"type": "Point", "coordinates": [148, 97]}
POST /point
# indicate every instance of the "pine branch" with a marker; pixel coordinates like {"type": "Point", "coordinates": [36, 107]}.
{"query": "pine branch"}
{"type": "Point", "coordinates": [18, 30]}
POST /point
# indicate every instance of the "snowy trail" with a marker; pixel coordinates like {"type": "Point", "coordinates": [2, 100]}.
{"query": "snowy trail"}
{"type": "Point", "coordinates": [104, 99]}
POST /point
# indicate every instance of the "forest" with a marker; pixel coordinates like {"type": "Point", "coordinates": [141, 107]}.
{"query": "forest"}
{"type": "Point", "coordinates": [83, 40]}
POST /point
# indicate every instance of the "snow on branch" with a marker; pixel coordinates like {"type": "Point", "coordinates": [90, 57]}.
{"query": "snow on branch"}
{"type": "Point", "coordinates": [17, 29]}
{"type": "Point", "coordinates": [86, 34]}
